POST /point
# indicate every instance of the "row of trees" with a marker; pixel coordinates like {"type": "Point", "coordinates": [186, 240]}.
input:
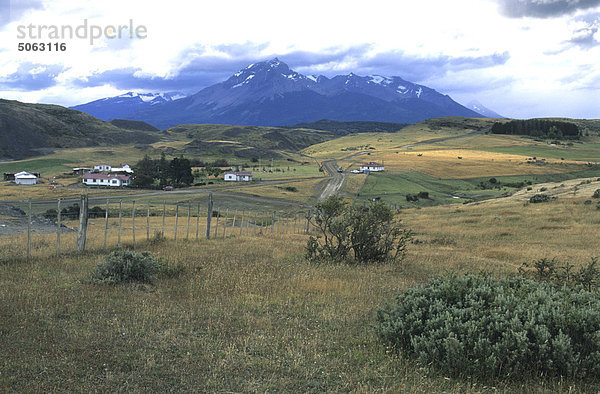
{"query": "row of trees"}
{"type": "Point", "coordinates": [537, 128]}
{"type": "Point", "coordinates": [158, 173]}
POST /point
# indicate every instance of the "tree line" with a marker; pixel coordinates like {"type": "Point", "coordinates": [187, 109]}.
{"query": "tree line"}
{"type": "Point", "coordinates": [537, 128]}
{"type": "Point", "coordinates": [158, 173]}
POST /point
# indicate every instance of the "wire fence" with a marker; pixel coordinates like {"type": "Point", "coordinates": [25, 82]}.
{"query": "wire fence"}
{"type": "Point", "coordinates": [37, 228]}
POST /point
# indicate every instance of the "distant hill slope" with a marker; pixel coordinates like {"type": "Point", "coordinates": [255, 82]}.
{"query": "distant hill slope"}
{"type": "Point", "coordinates": [133, 125]}
{"type": "Point", "coordinates": [345, 128]}
{"type": "Point", "coordinates": [269, 93]}
{"type": "Point", "coordinates": [33, 129]}
{"type": "Point", "coordinates": [246, 141]}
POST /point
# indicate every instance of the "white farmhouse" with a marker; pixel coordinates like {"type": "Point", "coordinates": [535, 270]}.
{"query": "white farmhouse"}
{"type": "Point", "coordinates": [371, 167]}
{"type": "Point", "coordinates": [25, 178]}
{"type": "Point", "coordinates": [114, 180]}
{"type": "Point", "coordinates": [238, 176]}
{"type": "Point", "coordinates": [125, 169]}
{"type": "Point", "coordinates": [102, 167]}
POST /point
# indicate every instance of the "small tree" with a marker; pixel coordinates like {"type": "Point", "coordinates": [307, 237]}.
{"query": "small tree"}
{"type": "Point", "coordinates": [370, 232]}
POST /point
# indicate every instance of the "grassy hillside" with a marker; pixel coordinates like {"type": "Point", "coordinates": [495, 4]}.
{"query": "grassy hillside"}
{"type": "Point", "coordinates": [247, 141]}
{"type": "Point", "coordinates": [32, 129]}
{"type": "Point", "coordinates": [345, 128]}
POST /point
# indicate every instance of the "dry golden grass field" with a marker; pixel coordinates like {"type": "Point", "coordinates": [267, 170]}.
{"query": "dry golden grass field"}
{"type": "Point", "coordinates": [249, 313]}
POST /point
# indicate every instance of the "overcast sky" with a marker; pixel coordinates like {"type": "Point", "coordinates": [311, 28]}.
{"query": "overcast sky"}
{"type": "Point", "coordinates": [521, 58]}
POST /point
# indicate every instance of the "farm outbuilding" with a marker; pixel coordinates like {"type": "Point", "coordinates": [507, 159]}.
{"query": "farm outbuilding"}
{"type": "Point", "coordinates": [25, 178]}
{"type": "Point", "coordinates": [102, 167]}
{"type": "Point", "coordinates": [238, 176]}
{"type": "Point", "coordinates": [371, 167]}
{"type": "Point", "coordinates": [113, 180]}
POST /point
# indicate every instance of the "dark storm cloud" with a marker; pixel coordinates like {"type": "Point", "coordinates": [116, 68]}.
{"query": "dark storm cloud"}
{"type": "Point", "coordinates": [31, 77]}
{"type": "Point", "coordinates": [543, 8]}
{"type": "Point", "coordinates": [12, 10]}
{"type": "Point", "coordinates": [199, 70]}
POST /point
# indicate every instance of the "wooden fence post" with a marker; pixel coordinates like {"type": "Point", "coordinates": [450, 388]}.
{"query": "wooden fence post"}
{"type": "Point", "coordinates": [176, 219]}
{"type": "Point", "coordinates": [163, 218]}
{"type": "Point", "coordinates": [187, 232]}
{"type": "Point", "coordinates": [198, 222]}
{"type": "Point", "coordinates": [233, 223]}
{"type": "Point", "coordinates": [58, 224]}
{"type": "Point", "coordinates": [308, 222]}
{"type": "Point", "coordinates": [273, 223]}
{"type": "Point", "coordinates": [83, 221]}
{"type": "Point", "coordinates": [148, 223]}
{"type": "Point", "coordinates": [106, 222]}
{"type": "Point", "coordinates": [133, 223]}
{"type": "Point", "coordinates": [255, 221]}
{"type": "Point", "coordinates": [120, 222]}
{"type": "Point", "coordinates": [29, 231]}
{"type": "Point", "coordinates": [242, 223]}
{"type": "Point", "coordinates": [209, 214]}
{"type": "Point", "coordinates": [225, 222]}
{"type": "Point", "coordinates": [217, 224]}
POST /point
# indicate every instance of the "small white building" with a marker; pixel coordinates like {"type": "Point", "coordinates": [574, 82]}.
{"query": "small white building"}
{"type": "Point", "coordinates": [102, 167]}
{"type": "Point", "coordinates": [371, 167]}
{"type": "Point", "coordinates": [25, 178]}
{"type": "Point", "coordinates": [125, 169]}
{"type": "Point", "coordinates": [238, 176]}
{"type": "Point", "coordinates": [114, 180]}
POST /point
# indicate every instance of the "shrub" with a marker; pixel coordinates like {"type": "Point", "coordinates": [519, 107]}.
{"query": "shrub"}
{"type": "Point", "coordinates": [543, 189]}
{"type": "Point", "coordinates": [596, 194]}
{"type": "Point", "coordinates": [412, 197]}
{"type": "Point", "coordinates": [357, 234]}
{"type": "Point", "coordinates": [126, 266]}
{"type": "Point", "coordinates": [484, 327]}
{"type": "Point", "coordinates": [542, 197]}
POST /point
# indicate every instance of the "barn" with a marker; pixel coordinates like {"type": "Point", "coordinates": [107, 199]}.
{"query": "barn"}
{"type": "Point", "coordinates": [238, 176]}
{"type": "Point", "coordinates": [25, 178]}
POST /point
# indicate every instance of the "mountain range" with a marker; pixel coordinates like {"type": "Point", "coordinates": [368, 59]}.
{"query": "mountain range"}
{"type": "Point", "coordinates": [120, 106]}
{"type": "Point", "coordinates": [269, 93]}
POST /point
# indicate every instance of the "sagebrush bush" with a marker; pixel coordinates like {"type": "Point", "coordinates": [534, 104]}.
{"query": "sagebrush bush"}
{"type": "Point", "coordinates": [127, 266]}
{"type": "Point", "coordinates": [483, 327]}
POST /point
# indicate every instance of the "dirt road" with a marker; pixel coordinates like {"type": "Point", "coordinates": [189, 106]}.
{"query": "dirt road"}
{"type": "Point", "coordinates": [336, 180]}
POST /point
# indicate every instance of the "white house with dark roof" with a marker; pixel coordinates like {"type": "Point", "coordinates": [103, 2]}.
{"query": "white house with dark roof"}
{"type": "Point", "coordinates": [238, 176]}
{"type": "Point", "coordinates": [25, 178]}
{"type": "Point", "coordinates": [114, 180]}
{"type": "Point", "coordinates": [371, 167]}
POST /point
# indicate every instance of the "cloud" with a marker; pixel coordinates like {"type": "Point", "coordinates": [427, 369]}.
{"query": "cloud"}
{"type": "Point", "coordinates": [586, 31]}
{"type": "Point", "coordinates": [543, 8]}
{"type": "Point", "coordinates": [200, 66]}
{"type": "Point", "coordinates": [13, 10]}
{"type": "Point", "coordinates": [417, 68]}
{"type": "Point", "coordinates": [32, 76]}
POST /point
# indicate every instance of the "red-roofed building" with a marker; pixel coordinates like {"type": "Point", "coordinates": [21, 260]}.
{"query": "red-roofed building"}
{"type": "Point", "coordinates": [114, 180]}
{"type": "Point", "coordinates": [238, 176]}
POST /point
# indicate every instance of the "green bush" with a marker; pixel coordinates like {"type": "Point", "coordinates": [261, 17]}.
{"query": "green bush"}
{"type": "Point", "coordinates": [596, 194]}
{"type": "Point", "coordinates": [483, 327]}
{"type": "Point", "coordinates": [356, 234]}
{"type": "Point", "coordinates": [537, 198]}
{"type": "Point", "coordinates": [126, 266]}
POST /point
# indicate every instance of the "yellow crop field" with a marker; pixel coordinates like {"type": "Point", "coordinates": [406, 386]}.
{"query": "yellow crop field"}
{"type": "Point", "coordinates": [463, 163]}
